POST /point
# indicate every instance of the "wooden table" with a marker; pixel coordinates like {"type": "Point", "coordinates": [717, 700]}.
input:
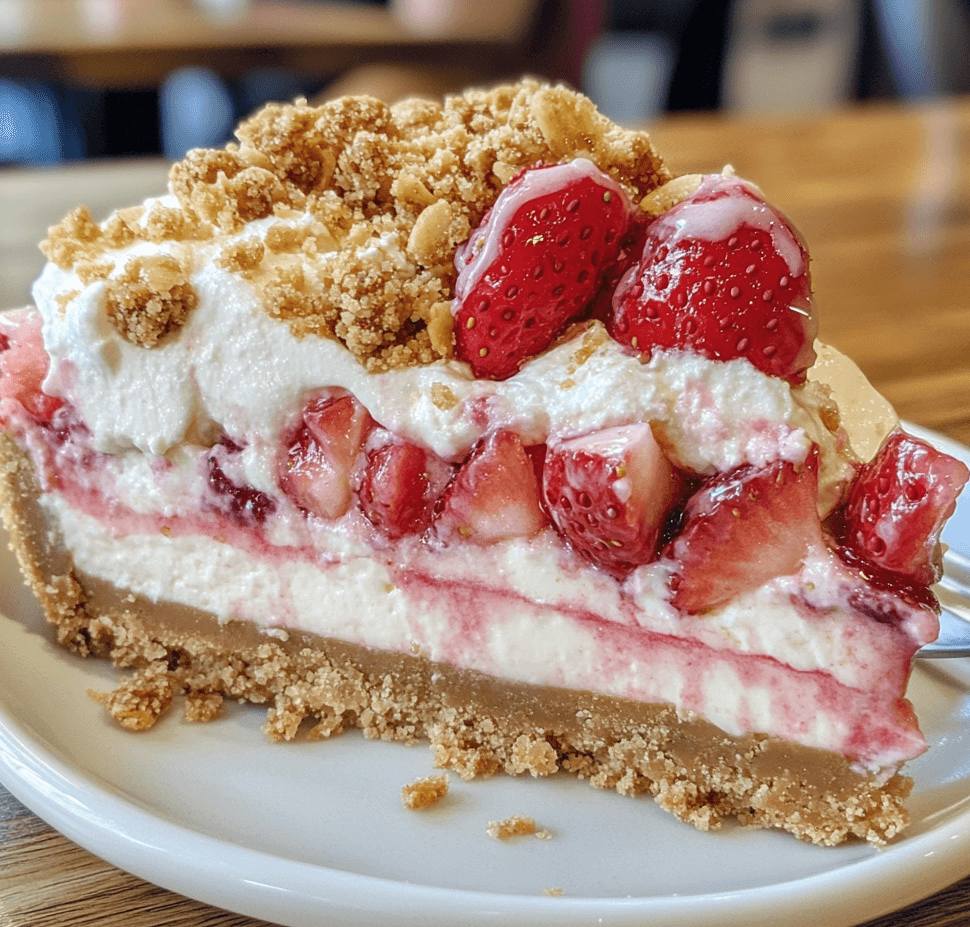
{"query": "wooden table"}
{"type": "Point", "coordinates": [118, 44]}
{"type": "Point", "coordinates": [882, 194]}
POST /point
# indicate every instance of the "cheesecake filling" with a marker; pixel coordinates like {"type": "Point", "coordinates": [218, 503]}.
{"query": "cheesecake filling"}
{"type": "Point", "coordinates": [780, 684]}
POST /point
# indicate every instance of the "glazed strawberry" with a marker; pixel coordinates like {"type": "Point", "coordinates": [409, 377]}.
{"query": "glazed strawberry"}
{"type": "Point", "coordinates": [535, 263]}
{"type": "Point", "coordinates": [316, 472]}
{"type": "Point", "coordinates": [742, 529]}
{"type": "Point", "coordinates": [493, 497]}
{"type": "Point", "coordinates": [610, 494]}
{"type": "Point", "coordinates": [897, 505]}
{"type": "Point", "coordinates": [399, 486]}
{"type": "Point", "coordinates": [723, 274]}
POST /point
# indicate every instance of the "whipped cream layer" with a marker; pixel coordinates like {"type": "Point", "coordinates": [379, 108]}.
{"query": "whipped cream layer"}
{"type": "Point", "coordinates": [711, 415]}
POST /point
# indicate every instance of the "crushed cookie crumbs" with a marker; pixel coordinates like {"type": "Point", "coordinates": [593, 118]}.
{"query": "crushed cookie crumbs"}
{"type": "Point", "coordinates": [516, 826]}
{"type": "Point", "coordinates": [242, 257]}
{"type": "Point", "coordinates": [90, 271]}
{"type": "Point", "coordinates": [443, 397]}
{"type": "Point", "coordinates": [151, 298]}
{"type": "Point", "coordinates": [203, 707]}
{"type": "Point", "coordinates": [139, 701]}
{"type": "Point", "coordinates": [423, 793]}
{"type": "Point", "coordinates": [390, 192]}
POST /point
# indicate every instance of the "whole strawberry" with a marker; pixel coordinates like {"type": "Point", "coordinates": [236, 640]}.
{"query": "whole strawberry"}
{"type": "Point", "coordinates": [723, 274]}
{"type": "Point", "coordinates": [535, 263]}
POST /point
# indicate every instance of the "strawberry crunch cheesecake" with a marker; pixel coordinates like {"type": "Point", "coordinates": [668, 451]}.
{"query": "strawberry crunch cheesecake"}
{"type": "Point", "coordinates": [471, 423]}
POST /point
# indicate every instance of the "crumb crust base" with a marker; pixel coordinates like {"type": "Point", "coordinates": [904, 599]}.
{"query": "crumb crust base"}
{"type": "Point", "coordinates": [477, 725]}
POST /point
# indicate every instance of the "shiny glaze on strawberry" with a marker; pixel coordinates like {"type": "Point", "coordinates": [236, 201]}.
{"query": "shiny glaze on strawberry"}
{"type": "Point", "coordinates": [724, 274]}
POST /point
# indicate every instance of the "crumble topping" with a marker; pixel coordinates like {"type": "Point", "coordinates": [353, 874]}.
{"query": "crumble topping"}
{"type": "Point", "coordinates": [665, 197]}
{"type": "Point", "coordinates": [443, 396]}
{"type": "Point", "coordinates": [361, 205]}
{"type": "Point", "coordinates": [90, 271]}
{"type": "Point", "coordinates": [150, 298]}
{"type": "Point", "coordinates": [242, 256]}
{"type": "Point", "coordinates": [76, 236]}
{"type": "Point", "coordinates": [63, 299]}
{"type": "Point", "coordinates": [423, 793]}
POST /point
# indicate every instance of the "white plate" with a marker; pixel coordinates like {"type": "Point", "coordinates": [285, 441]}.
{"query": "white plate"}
{"type": "Point", "coordinates": [307, 832]}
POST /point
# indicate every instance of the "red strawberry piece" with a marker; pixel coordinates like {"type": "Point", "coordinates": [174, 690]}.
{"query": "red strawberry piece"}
{"type": "Point", "coordinates": [24, 364]}
{"type": "Point", "coordinates": [897, 506]}
{"type": "Point", "coordinates": [744, 528]}
{"type": "Point", "coordinates": [399, 486]}
{"type": "Point", "coordinates": [723, 274]}
{"type": "Point", "coordinates": [316, 472]}
{"type": "Point", "coordinates": [494, 496]}
{"type": "Point", "coordinates": [610, 494]}
{"type": "Point", "coordinates": [535, 263]}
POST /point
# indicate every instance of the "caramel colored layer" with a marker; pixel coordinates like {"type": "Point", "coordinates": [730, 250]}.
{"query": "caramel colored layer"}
{"type": "Point", "coordinates": [476, 724]}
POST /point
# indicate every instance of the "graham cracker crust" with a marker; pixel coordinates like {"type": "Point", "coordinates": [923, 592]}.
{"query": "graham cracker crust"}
{"type": "Point", "coordinates": [477, 725]}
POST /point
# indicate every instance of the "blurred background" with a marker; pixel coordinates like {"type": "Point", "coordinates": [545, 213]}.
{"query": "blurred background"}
{"type": "Point", "coordinates": [107, 78]}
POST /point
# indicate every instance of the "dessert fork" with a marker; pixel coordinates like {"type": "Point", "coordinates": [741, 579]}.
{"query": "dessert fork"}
{"type": "Point", "coordinates": [953, 591]}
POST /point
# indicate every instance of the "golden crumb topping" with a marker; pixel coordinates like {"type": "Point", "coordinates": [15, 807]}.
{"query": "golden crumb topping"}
{"type": "Point", "coordinates": [360, 206]}
{"type": "Point", "coordinates": [149, 299]}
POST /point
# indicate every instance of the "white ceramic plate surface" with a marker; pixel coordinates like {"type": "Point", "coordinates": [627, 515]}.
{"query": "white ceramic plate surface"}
{"type": "Point", "coordinates": [311, 833]}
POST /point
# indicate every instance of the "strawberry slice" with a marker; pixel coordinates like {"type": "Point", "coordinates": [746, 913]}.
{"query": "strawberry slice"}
{"type": "Point", "coordinates": [494, 496]}
{"type": "Point", "coordinates": [316, 472]}
{"type": "Point", "coordinates": [610, 494]}
{"type": "Point", "coordinates": [897, 506]}
{"type": "Point", "coordinates": [744, 528]}
{"type": "Point", "coordinates": [535, 263]}
{"type": "Point", "coordinates": [399, 486]}
{"type": "Point", "coordinates": [723, 274]}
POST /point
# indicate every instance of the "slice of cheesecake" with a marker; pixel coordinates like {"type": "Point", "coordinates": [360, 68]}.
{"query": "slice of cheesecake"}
{"type": "Point", "coordinates": [468, 423]}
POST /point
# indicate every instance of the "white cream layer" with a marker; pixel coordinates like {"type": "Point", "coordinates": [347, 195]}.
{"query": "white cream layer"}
{"type": "Point", "coordinates": [232, 368]}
